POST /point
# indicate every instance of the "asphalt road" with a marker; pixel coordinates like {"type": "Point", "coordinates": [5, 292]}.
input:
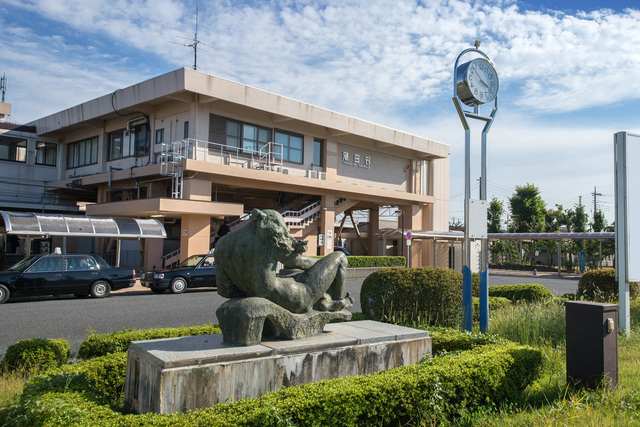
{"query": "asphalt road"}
{"type": "Point", "coordinates": [74, 318]}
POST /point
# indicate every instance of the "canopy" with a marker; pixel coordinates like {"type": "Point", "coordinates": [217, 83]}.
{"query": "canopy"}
{"type": "Point", "coordinates": [40, 224]}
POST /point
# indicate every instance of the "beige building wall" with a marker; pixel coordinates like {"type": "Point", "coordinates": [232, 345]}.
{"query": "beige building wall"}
{"type": "Point", "coordinates": [365, 165]}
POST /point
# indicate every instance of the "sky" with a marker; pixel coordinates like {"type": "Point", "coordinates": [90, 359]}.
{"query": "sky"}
{"type": "Point", "coordinates": [568, 71]}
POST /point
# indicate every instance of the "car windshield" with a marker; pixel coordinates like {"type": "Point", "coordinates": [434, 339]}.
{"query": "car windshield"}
{"type": "Point", "coordinates": [192, 261]}
{"type": "Point", "coordinates": [22, 264]}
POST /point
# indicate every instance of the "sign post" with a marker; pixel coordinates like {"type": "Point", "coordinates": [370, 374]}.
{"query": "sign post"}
{"type": "Point", "coordinates": [408, 235]}
{"type": "Point", "coordinates": [474, 83]}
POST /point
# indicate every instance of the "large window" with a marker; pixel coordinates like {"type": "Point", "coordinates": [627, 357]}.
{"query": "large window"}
{"type": "Point", "coordinates": [236, 134]}
{"type": "Point", "coordinates": [14, 149]}
{"type": "Point", "coordinates": [123, 143]}
{"type": "Point", "coordinates": [46, 153]}
{"type": "Point", "coordinates": [292, 146]}
{"type": "Point", "coordinates": [82, 153]}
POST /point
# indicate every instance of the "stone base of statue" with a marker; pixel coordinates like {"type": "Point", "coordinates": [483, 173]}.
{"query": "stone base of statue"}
{"type": "Point", "coordinates": [248, 321]}
{"type": "Point", "coordinates": [180, 374]}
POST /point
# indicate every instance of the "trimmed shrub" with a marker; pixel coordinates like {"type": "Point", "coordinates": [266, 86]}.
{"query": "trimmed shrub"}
{"type": "Point", "coordinates": [376, 261]}
{"type": "Point", "coordinates": [36, 354]}
{"type": "Point", "coordinates": [414, 296]}
{"type": "Point", "coordinates": [602, 286]}
{"type": "Point", "coordinates": [448, 340]}
{"type": "Point", "coordinates": [102, 344]}
{"type": "Point", "coordinates": [433, 392]}
{"type": "Point", "coordinates": [104, 377]}
{"type": "Point", "coordinates": [529, 292]}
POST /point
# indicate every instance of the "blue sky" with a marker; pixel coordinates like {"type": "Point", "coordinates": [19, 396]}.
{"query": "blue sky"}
{"type": "Point", "coordinates": [568, 70]}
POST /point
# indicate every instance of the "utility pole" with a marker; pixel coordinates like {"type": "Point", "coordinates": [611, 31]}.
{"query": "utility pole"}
{"type": "Point", "coordinates": [595, 194]}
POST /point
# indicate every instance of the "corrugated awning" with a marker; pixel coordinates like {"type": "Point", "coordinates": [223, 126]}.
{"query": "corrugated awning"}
{"type": "Point", "coordinates": [39, 224]}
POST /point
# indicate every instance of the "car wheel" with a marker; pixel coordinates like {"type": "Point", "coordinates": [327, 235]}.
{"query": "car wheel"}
{"type": "Point", "coordinates": [157, 290]}
{"type": "Point", "coordinates": [100, 289]}
{"type": "Point", "coordinates": [178, 285]}
{"type": "Point", "coordinates": [4, 293]}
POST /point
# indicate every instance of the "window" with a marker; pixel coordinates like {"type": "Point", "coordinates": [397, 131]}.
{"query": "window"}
{"type": "Point", "coordinates": [186, 130]}
{"type": "Point", "coordinates": [292, 145]}
{"type": "Point", "coordinates": [123, 143]}
{"type": "Point", "coordinates": [14, 149]}
{"type": "Point", "coordinates": [159, 136]}
{"type": "Point", "coordinates": [46, 153]}
{"type": "Point", "coordinates": [236, 134]}
{"type": "Point", "coordinates": [82, 153]}
{"type": "Point", "coordinates": [318, 152]}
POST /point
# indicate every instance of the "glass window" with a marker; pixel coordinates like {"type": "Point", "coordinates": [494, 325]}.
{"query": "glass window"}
{"type": "Point", "coordinates": [235, 134]}
{"type": "Point", "coordinates": [82, 153]}
{"type": "Point", "coordinates": [46, 153]}
{"type": "Point", "coordinates": [115, 145]}
{"type": "Point", "coordinates": [14, 149]}
{"type": "Point", "coordinates": [142, 136]}
{"type": "Point", "coordinates": [292, 146]}
{"type": "Point", "coordinates": [318, 152]}
{"type": "Point", "coordinates": [186, 130]}
{"type": "Point", "coordinates": [159, 136]}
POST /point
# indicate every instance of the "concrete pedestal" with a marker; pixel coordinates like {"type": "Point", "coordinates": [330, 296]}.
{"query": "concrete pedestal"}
{"type": "Point", "coordinates": [180, 374]}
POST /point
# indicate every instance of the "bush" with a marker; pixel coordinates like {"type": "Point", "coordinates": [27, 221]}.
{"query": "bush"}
{"type": "Point", "coordinates": [36, 354]}
{"type": "Point", "coordinates": [102, 344]}
{"type": "Point", "coordinates": [529, 292]}
{"type": "Point", "coordinates": [413, 296]}
{"type": "Point", "coordinates": [376, 261]}
{"type": "Point", "coordinates": [104, 377]}
{"type": "Point", "coordinates": [448, 340]}
{"type": "Point", "coordinates": [602, 286]}
{"type": "Point", "coordinates": [432, 392]}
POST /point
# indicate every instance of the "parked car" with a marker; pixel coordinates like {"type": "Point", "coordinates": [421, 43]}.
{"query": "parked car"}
{"type": "Point", "coordinates": [195, 271]}
{"type": "Point", "coordinates": [59, 274]}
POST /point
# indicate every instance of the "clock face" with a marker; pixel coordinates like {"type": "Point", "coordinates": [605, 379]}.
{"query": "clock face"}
{"type": "Point", "coordinates": [478, 83]}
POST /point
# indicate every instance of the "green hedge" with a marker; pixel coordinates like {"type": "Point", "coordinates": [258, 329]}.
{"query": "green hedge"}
{"type": "Point", "coordinates": [434, 391]}
{"type": "Point", "coordinates": [102, 344]}
{"type": "Point", "coordinates": [413, 296]}
{"type": "Point", "coordinates": [529, 292]}
{"type": "Point", "coordinates": [36, 354]}
{"type": "Point", "coordinates": [103, 377]}
{"type": "Point", "coordinates": [602, 286]}
{"type": "Point", "coordinates": [376, 261]}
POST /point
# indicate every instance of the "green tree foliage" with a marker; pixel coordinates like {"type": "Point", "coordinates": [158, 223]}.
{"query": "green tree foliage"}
{"type": "Point", "coordinates": [599, 222]}
{"type": "Point", "coordinates": [527, 210]}
{"type": "Point", "coordinates": [494, 216]}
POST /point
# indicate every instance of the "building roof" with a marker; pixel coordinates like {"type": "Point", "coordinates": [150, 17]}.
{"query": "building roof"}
{"type": "Point", "coordinates": [192, 86]}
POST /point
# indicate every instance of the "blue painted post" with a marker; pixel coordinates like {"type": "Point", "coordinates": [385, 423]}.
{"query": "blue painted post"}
{"type": "Point", "coordinates": [467, 299]}
{"type": "Point", "coordinates": [484, 300]}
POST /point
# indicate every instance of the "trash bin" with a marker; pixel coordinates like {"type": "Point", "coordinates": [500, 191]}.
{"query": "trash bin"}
{"type": "Point", "coordinates": [592, 344]}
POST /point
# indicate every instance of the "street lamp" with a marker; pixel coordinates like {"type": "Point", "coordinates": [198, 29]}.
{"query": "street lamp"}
{"type": "Point", "coordinates": [399, 212]}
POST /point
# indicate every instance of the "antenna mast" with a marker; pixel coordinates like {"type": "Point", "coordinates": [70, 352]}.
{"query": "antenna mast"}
{"type": "Point", "coordinates": [195, 43]}
{"type": "Point", "coordinates": [3, 85]}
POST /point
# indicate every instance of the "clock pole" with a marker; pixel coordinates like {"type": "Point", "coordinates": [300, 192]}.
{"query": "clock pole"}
{"type": "Point", "coordinates": [475, 83]}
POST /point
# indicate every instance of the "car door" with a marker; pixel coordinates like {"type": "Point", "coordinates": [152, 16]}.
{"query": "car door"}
{"type": "Point", "coordinates": [204, 273]}
{"type": "Point", "coordinates": [45, 276]}
{"type": "Point", "coordinates": [81, 271]}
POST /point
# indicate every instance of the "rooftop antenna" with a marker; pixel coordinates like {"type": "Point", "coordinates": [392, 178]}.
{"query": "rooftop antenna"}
{"type": "Point", "coordinates": [195, 43]}
{"type": "Point", "coordinates": [3, 85]}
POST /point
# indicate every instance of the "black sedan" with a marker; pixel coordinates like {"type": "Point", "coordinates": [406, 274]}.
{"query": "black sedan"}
{"type": "Point", "coordinates": [195, 271]}
{"type": "Point", "coordinates": [59, 274]}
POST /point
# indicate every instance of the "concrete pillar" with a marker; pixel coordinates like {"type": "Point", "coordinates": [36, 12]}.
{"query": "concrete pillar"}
{"type": "Point", "coordinates": [327, 224]}
{"type": "Point", "coordinates": [195, 235]}
{"type": "Point", "coordinates": [372, 235]}
{"type": "Point", "coordinates": [197, 189]}
{"type": "Point", "coordinates": [153, 252]}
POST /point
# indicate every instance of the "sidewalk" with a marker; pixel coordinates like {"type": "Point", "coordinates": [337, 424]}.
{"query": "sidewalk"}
{"type": "Point", "coordinates": [529, 273]}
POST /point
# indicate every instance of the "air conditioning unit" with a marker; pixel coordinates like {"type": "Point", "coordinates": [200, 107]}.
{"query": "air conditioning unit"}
{"type": "Point", "coordinates": [322, 175]}
{"type": "Point", "coordinates": [312, 174]}
{"type": "Point", "coordinates": [285, 171]}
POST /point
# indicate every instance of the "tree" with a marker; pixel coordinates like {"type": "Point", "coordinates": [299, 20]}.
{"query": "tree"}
{"type": "Point", "coordinates": [494, 216]}
{"type": "Point", "coordinates": [599, 222]}
{"type": "Point", "coordinates": [527, 210]}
